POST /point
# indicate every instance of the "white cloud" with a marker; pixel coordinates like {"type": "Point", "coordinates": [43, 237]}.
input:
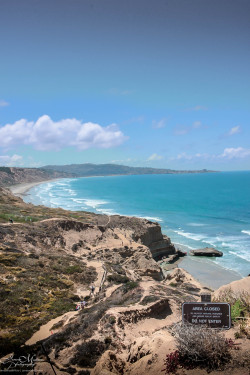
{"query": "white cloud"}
{"type": "Point", "coordinates": [46, 134]}
{"type": "Point", "coordinates": [159, 124]}
{"type": "Point", "coordinates": [155, 157]}
{"type": "Point", "coordinates": [10, 160]}
{"type": "Point", "coordinates": [197, 124]}
{"type": "Point", "coordinates": [182, 130]}
{"type": "Point", "coordinates": [234, 130]}
{"type": "Point", "coordinates": [184, 156]}
{"type": "Point", "coordinates": [3, 103]}
{"type": "Point", "coordinates": [239, 152]}
{"type": "Point", "coordinates": [228, 153]}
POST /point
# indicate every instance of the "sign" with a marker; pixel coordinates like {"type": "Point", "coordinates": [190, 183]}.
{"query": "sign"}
{"type": "Point", "coordinates": [213, 315]}
{"type": "Point", "coordinates": [205, 297]}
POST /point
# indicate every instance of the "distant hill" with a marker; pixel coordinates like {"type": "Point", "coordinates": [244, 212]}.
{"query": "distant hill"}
{"type": "Point", "coordinates": [82, 170]}
{"type": "Point", "coordinates": [12, 176]}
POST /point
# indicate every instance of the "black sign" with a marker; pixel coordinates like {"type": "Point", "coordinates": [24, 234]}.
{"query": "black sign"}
{"type": "Point", "coordinates": [205, 297]}
{"type": "Point", "coordinates": [214, 315]}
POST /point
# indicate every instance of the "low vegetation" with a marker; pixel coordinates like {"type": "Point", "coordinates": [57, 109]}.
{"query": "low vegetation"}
{"type": "Point", "coordinates": [35, 290]}
{"type": "Point", "coordinates": [13, 208]}
{"type": "Point", "coordinates": [240, 310]}
{"type": "Point", "coordinates": [198, 347]}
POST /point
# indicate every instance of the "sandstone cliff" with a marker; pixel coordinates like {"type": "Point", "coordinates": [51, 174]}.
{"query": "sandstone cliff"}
{"type": "Point", "coordinates": [63, 252]}
{"type": "Point", "coordinates": [49, 258]}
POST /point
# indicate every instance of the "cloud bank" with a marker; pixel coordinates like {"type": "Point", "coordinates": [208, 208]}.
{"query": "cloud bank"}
{"type": "Point", "coordinates": [46, 134]}
{"type": "Point", "coordinates": [228, 153]}
{"type": "Point", "coordinates": [11, 160]}
{"type": "Point", "coordinates": [239, 152]}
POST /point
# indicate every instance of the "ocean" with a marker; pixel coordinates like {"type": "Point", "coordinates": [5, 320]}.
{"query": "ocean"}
{"type": "Point", "coordinates": [194, 210]}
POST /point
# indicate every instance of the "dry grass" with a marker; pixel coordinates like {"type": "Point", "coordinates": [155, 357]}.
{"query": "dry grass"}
{"type": "Point", "coordinates": [199, 346]}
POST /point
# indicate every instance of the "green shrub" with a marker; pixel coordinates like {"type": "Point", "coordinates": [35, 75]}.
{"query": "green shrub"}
{"type": "Point", "coordinates": [73, 269]}
{"type": "Point", "coordinates": [112, 319]}
{"type": "Point", "coordinates": [240, 303]}
{"type": "Point", "coordinates": [118, 279]}
{"type": "Point", "coordinates": [88, 353]}
{"type": "Point", "coordinates": [130, 285]}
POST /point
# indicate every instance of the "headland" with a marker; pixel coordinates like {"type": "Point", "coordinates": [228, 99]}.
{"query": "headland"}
{"type": "Point", "coordinates": [50, 258]}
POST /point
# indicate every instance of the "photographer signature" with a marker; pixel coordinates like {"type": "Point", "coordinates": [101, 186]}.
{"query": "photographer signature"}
{"type": "Point", "coordinates": [28, 361]}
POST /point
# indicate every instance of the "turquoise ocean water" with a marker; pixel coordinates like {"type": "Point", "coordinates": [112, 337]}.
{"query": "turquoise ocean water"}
{"type": "Point", "coordinates": [194, 210]}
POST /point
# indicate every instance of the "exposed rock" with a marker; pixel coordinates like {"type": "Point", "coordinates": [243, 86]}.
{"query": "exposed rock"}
{"type": "Point", "coordinates": [207, 252]}
{"type": "Point", "coordinates": [146, 232]}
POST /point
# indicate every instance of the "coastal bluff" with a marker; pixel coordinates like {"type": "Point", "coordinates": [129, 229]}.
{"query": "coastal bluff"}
{"type": "Point", "coordinates": [145, 232]}
{"type": "Point", "coordinates": [51, 258]}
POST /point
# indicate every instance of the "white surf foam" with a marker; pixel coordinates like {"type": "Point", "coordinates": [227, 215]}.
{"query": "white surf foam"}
{"type": "Point", "coordinates": [242, 255]}
{"type": "Point", "coordinates": [106, 211]}
{"type": "Point", "coordinates": [150, 218]}
{"type": "Point", "coordinates": [94, 202]}
{"type": "Point", "coordinates": [196, 224]}
{"type": "Point", "coordinates": [192, 236]}
{"type": "Point", "coordinates": [184, 245]}
{"type": "Point", "coordinates": [246, 232]}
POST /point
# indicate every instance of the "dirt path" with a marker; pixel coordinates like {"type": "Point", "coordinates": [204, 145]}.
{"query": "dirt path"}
{"type": "Point", "coordinates": [46, 330]}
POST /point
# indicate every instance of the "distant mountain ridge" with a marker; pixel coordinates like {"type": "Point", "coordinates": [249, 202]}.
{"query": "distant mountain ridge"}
{"type": "Point", "coordinates": [88, 169]}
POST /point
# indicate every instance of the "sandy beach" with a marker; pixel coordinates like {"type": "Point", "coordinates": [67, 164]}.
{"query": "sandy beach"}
{"type": "Point", "coordinates": [207, 272]}
{"type": "Point", "coordinates": [204, 270]}
{"type": "Point", "coordinates": [22, 189]}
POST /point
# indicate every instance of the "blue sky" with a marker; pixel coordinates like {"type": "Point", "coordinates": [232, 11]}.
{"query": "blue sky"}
{"type": "Point", "coordinates": [140, 83]}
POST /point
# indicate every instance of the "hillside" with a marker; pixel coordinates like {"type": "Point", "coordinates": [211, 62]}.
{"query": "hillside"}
{"type": "Point", "coordinates": [50, 257]}
{"type": "Point", "coordinates": [81, 170]}
{"type": "Point", "coordinates": [12, 176]}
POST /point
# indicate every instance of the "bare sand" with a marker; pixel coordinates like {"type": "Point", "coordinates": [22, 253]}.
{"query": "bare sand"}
{"type": "Point", "coordinates": [236, 288]}
{"type": "Point", "coordinates": [22, 189]}
{"type": "Point", "coordinates": [207, 272]}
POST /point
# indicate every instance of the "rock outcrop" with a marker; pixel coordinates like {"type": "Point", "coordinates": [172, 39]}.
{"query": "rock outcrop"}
{"type": "Point", "coordinates": [147, 233]}
{"type": "Point", "coordinates": [48, 260]}
{"type": "Point", "coordinates": [207, 252]}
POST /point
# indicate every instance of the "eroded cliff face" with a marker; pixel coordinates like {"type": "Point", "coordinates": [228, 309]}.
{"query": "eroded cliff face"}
{"type": "Point", "coordinates": [50, 257]}
{"type": "Point", "coordinates": [48, 260]}
{"type": "Point", "coordinates": [146, 232]}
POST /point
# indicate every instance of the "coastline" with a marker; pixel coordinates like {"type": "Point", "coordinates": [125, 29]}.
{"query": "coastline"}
{"type": "Point", "coordinates": [22, 189]}
{"type": "Point", "coordinates": [208, 273]}
{"type": "Point", "coordinates": [203, 270]}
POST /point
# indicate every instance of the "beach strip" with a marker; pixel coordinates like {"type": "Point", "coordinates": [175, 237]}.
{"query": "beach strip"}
{"type": "Point", "coordinates": [22, 189]}
{"type": "Point", "coordinates": [207, 272]}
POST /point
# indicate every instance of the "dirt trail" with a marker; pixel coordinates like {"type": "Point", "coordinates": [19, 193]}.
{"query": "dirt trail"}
{"type": "Point", "coordinates": [46, 330]}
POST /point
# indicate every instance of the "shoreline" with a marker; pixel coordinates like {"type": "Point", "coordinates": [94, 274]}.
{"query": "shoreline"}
{"type": "Point", "coordinates": [22, 189]}
{"type": "Point", "coordinates": [208, 273]}
{"type": "Point", "coordinates": [203, 270]}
